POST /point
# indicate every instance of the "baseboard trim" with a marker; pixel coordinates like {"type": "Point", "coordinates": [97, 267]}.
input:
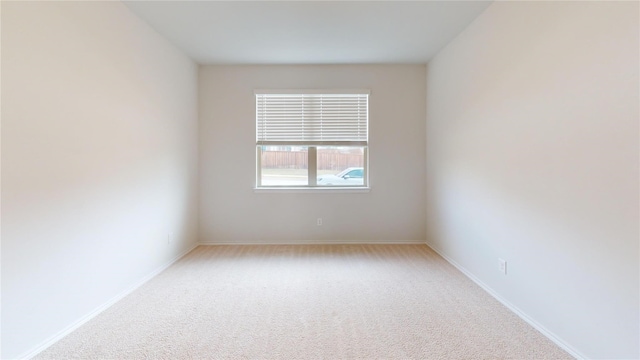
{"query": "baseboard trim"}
{"type": "Point", "coordinates": [314, 242]}
{"type": "Point", "coordinates": [83, 320]}
{"type": "Point", "coordinates": [66, 331]}
{"type": "Point", "coordinates": [521, 314]}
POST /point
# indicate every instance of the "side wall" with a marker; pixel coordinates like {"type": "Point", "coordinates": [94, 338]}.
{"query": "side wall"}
{"type": "Point", "coordinates": [394, 209]}
{"type": "Point", "coordinates": [532, 156]}
{"type": "Point", "coordinates": [99, 161]}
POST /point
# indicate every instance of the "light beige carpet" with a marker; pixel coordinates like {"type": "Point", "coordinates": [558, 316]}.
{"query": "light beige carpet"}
{"type": "Point", "coordinates": [307, 302]}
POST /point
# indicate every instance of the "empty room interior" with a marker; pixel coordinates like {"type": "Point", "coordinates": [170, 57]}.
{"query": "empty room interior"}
{"type": "Point", "coordinates": [320, 179]}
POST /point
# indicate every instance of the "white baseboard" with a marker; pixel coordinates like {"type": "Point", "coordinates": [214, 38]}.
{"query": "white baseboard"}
{"type": "Point", "coordinates": [314, 242]}
{"type": "Point", "coordinates": [66, 331]}
{"type": "Point", "coordinates": [550, 335]}
{"type": "Point", "coordinates": [55, 338]}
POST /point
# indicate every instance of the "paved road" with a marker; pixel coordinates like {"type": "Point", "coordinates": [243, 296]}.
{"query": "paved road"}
{"type": "Point", "coordinates": [275, 180]}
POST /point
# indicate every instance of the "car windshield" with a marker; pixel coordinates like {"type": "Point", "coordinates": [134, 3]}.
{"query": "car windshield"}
{"type": "Point", "coordinates": [347, 170]}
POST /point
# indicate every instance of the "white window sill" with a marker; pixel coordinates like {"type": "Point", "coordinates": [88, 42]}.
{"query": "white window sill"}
{"type": "Point", "coordinates": [308, 190]}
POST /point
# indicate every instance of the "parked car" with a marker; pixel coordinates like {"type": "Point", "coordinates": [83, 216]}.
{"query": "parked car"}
{"type": "Point", "coordinates": [348, 176]}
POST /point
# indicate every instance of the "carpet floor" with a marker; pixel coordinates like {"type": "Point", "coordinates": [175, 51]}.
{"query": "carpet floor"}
{"type": "Point", "coordinates": [307, 302]}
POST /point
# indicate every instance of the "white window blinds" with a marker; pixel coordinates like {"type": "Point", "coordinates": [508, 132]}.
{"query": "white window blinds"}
{"type": "Point", "coordinates": [312, 118]}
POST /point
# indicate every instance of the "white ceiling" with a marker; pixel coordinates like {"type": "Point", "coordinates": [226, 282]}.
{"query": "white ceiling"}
{"type": "Point", "coordinates": [309, 32]}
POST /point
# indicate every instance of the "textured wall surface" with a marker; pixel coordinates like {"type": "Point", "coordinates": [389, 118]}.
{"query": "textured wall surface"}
{"type": "Point", "coordinates": [394, 209]}
{"type": "Point", "coordinates": [99, 160]}
{"type": "Point", "coordinates": [532, 156]}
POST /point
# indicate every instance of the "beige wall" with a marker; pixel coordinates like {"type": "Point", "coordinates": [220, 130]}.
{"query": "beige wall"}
{"type": "Point", "coordinates": [230, 210]}
{"type": "Point", "coordinates": [99, 134]}
{"type": "Point", "coordinates": [532, 156]}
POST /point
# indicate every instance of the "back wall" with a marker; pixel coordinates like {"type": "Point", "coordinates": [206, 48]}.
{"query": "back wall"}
{"type": "Point", "coordinates": [232, 212]}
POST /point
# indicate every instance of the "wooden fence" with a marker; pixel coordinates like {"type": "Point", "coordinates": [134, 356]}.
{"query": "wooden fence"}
{"type": "Point", "coordinates": [298, 160]}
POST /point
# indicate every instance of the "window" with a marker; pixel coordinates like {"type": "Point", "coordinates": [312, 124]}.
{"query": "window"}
{"type": "Point", "coordinates": [312, 138]}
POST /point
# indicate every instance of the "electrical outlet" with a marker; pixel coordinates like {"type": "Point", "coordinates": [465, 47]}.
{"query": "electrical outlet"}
{"type": "Point", "coordinates": [502, 266]}
{"type": "Point", "coordinates": [319, 221]}
{"type": "Point", "coordinates": [169, 238]}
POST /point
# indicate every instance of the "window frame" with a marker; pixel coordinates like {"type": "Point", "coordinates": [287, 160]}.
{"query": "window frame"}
{"type": "Point", "coordinates": [312, 168]}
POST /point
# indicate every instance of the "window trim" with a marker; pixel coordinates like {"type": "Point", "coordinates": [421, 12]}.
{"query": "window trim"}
{"type": "Point", "coordinates": [312, 169]}
{"type": "Point", "coordinates": [312, 190]}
